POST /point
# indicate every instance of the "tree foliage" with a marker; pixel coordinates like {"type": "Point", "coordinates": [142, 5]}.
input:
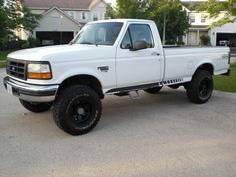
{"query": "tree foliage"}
{"type": "Point", "coordinates": [15, 16]}
{"type": "Point", "coordinates": [21, 16]}
{"type": "Point", "coordinates": [3, 23]}
{"type": "Point", "coordinates": [214, 8]}
{"type": "Point", "coordinates": [177, 20]}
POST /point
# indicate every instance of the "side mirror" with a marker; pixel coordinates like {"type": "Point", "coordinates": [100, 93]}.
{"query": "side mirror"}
{"type": "Point", "coordinates": [139, 45]}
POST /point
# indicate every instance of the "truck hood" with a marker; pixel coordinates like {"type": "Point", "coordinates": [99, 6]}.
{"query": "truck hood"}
{"type": "Point", "coordinates": [63, 52]}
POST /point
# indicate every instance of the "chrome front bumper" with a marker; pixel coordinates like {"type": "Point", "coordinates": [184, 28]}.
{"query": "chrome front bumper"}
{"type": "Point", "coordinates": [29, 92]}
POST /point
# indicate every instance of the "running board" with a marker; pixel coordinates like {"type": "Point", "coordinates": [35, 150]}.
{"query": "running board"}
{"type": "Point", "coordinates": [134, 95]}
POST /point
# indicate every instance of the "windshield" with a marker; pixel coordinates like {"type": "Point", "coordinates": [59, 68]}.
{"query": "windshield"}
{"type": "Point", "coordinates": [99, 34]}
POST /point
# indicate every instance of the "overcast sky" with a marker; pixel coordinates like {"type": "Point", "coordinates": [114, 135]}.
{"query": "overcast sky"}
{"type": "Point", "coordinates": [111, 1]}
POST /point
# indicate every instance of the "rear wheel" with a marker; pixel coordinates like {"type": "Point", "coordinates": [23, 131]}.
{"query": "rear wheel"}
{"type": "Point", "coordinates": [153, 90]}
{"type": "Point", "coordinates": [200, 89]}
{"type": "Point", "coordinates": [77, 110]}
{"type": "Point", "coordinates": [36, 107]}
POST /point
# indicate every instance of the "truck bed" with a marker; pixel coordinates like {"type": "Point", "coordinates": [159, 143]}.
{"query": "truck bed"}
{"type": "Point", "coordinates": [182, 61]}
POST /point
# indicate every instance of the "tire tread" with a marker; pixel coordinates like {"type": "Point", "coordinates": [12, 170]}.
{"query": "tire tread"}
{"type": "Point", "coordinates": [69, 93]}
{"type": "Point", "coordinates": [192, 87]}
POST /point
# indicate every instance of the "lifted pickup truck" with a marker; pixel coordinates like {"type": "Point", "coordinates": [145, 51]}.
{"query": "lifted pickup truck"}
{"type": "Point", "coordinates": [108, 57]}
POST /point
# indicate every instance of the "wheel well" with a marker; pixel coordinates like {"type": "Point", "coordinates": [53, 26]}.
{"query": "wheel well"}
{"type": "Point", "coordinates": [207, 67]}
{"type": "Point", "coordinates": [87, 80]}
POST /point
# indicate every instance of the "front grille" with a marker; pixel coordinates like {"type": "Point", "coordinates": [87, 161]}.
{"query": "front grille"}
{"type": "Point", "coordinates": [16, 68]}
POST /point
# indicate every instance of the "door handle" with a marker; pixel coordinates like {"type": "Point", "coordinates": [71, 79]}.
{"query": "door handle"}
{"type": "Point", "coordinates": [155, 53]}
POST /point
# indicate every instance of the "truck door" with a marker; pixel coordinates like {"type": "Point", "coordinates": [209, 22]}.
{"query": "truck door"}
{"type": "Point", "coordinates": [141, 66]}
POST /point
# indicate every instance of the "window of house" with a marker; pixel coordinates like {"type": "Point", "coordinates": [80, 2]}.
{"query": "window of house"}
{"type": "Point", "coordinates": [192, 18]}
{"type": "Point", "coordinates": [203, 18]}
{"type": "Point", "coordinates": [83, 16]}
{"type": "Point", "coordinates": [137, 32]}
{"type": "Point", "coordinates": [95, 17]}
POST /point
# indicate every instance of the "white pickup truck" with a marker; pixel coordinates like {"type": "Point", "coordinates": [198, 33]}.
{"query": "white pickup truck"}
{"type": "Point", "coordinates": [108, 57]}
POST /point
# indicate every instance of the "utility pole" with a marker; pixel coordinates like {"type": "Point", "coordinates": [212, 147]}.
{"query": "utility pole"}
{"type": "Point", "coordinates": [164, 30]}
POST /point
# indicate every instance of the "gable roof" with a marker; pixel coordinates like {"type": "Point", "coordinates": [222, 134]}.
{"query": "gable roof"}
{"type": "Point", "coordinates": [63, 13]}
{"type": "Point", "coordinates": [63, 4]}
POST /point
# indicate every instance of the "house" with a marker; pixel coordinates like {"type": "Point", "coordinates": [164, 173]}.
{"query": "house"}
{"type": "Point", "coordinates": [63, 19]}
{"type": "Point", "coordinates": [224, 35]}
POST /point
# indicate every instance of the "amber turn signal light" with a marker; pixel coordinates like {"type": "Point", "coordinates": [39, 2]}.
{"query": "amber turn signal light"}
{"type": "Point", "coordinates": [39, 75]}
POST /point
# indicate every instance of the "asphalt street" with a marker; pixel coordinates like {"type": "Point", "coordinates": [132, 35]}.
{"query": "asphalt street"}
{"type": "Point", "coordinates": [155, 136]}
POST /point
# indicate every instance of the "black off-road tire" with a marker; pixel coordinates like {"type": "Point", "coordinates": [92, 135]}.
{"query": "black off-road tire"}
{"type": "Point", "coordinates": [36, 107]}
{"type": "Point", "coordinates": [77, 110]}
{"type": "Point", "coordinates": [153, 90]}
{"type": "Point", "coordinates": [200, 89]}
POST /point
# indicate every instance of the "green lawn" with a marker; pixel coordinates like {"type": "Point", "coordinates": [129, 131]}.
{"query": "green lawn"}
{"type": "Point", "coordinates": [3, 56]}
{"type": "Point", "coordinates": [226, 83]}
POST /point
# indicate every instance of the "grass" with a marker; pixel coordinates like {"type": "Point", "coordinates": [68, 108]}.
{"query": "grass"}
{"type": "Point", "coordinates": [2, 64]}
{"type": "Point", "coordinates": [226, 83]}
{"type": "Point", "coordinates": [3, 56]}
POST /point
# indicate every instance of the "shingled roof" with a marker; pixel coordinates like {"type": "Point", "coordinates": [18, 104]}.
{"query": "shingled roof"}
{"type": "Point", "coordinates": [70, 4]}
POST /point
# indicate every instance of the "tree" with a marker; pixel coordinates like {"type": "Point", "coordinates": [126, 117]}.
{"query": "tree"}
{"type": "Point", "coordinates": [3, 23]}
{"type": "Point", "coordinates": [177, 20]}
{"type": "Point", "coordinates": [214, 8]}
{"type": "Point", "coordinates": [110, 12]}
{"type": "Point", "coordinates": [20, 16]}
{"type": "Point", "coordinates": [15, 16]}
{"type": "Point", "coordinates": [126, 9]}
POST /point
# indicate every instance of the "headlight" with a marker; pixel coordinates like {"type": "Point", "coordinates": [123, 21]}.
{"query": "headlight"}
{"type": "Point", "coordinates": [39, 71]}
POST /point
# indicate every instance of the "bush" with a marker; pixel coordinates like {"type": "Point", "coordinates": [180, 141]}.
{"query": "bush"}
{"type": "Point", "coordinates": [205, 40]}
{"type": "Point", "coordinates": [16, 44]}
{"type": "Point", "coordinates": [171, 42]}
{"type": "Point", "coordinates": [24, 44]}
{"type": "Point", "coordinates": [33, 42]}
{"type": "Point", "coordinates": [180, 43]}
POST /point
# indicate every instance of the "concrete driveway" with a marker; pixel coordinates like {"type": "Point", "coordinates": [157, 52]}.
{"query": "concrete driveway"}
{"type": "Point", "coordinates": [156, 136]}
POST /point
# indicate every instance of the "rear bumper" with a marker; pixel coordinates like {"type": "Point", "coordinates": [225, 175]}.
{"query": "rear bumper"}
{"type": "Point", "coordinates": [29, 92]}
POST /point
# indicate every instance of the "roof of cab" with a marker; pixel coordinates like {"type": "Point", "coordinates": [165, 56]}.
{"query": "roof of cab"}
{"type": "Point", "coordinates": [123, 21]}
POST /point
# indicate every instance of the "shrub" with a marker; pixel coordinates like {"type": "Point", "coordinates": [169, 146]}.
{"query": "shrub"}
{"type": "Point", "coordinates": [171, 42]}
{"type": "Point", "coordinates": [33, 42]}
{"type": "Point", "coordinates": [16, 44]}
{"type": "Point", "coordinates": [205, 40]}
{"type": "Point", "coordinates": [24, 44]}
{"type": "Point", "coordinates": [180, 43]}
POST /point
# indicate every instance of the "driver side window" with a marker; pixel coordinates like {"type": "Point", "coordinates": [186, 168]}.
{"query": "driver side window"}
{"type": "Point", "coordinates": [126, 43]}
{"type": "Point", "coordinates": [138, 32]}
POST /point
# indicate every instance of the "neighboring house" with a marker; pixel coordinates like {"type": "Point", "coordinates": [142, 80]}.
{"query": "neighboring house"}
{"type": "Point", "coordinates": [200, 22]}
{"type": "Point", "coordinates": [63, 19]}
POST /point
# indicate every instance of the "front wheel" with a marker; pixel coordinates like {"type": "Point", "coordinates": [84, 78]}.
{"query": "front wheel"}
{"type": "Point", "coordinates": [200, 89]}
{"type": "Point", "coordinates": [77, 110]}
{"type": "Point", "coordinates": [36, 107]}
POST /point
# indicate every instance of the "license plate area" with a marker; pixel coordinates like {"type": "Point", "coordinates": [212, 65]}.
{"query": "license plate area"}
{"type": "Point", "coordinates": [9, 89]}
